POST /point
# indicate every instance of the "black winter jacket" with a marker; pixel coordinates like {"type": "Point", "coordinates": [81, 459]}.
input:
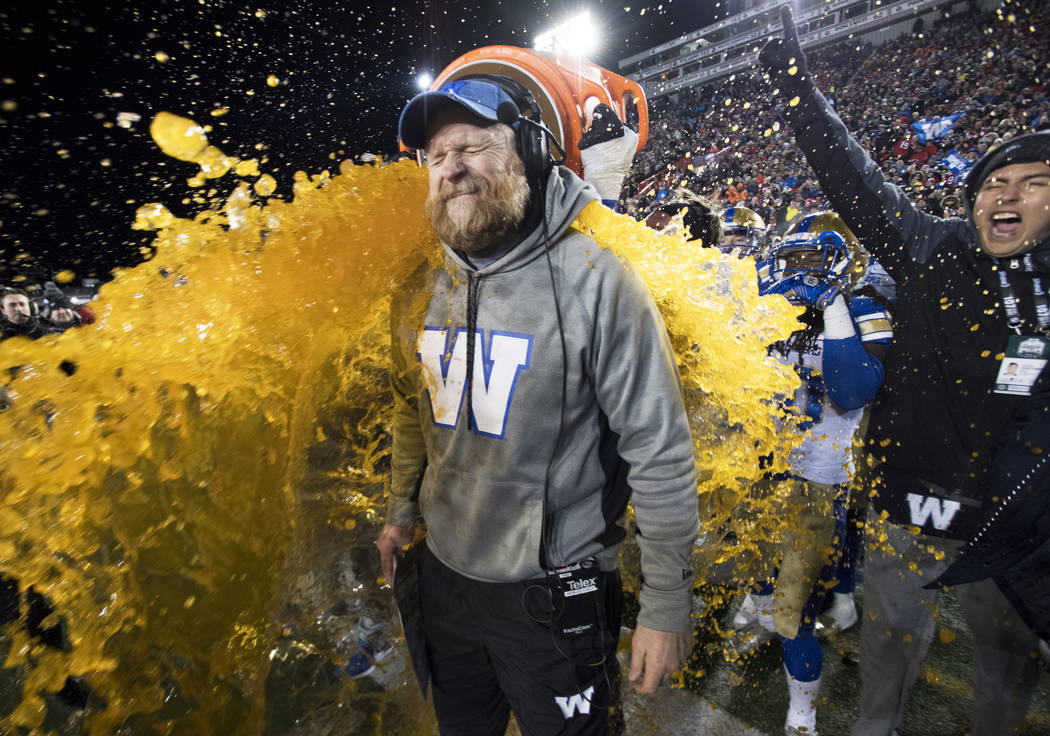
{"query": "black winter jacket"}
{"type": "Point", "coordinates": [1013, 546]}
{"type": "Point", "coordinates": [936, 425]}
{"type": "Point", "coordinates": [32, 328]}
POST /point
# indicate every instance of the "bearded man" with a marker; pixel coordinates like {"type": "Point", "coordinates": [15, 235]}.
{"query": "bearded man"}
{"type": "Point", "coordinates": [535, 395]}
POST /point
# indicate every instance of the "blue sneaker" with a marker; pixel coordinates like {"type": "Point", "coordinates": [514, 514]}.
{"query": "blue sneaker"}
{"type": "Point", "coordinates": [364, 661]}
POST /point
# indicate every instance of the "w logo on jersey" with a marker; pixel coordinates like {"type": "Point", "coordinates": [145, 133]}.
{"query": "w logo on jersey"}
{"type": "Point", "coordinates": [930, 508]}
{"type": "Point", "coordinates": [580, 702]}
{"type": "Point", "coordinates": [497, 364]}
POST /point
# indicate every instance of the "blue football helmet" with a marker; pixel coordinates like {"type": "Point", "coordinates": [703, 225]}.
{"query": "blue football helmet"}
{"type": "Point", "coordinates": [743, 232]}
{"type": "Point", "coordinates": [810, 266]}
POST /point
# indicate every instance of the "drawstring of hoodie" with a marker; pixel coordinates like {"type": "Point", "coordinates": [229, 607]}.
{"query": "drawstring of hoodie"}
{"type": "Point", "coordinates": [473, 285]}
{"type": "Point", "coordinates": [533, 216]}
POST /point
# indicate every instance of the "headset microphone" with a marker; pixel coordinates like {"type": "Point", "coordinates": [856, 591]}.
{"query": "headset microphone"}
{"type": "Point", "coordinates": [507, 112]}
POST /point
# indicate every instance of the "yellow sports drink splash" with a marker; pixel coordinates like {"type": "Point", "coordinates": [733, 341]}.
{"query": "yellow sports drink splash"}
{"type": "Point", "coordinates": [195, 481]}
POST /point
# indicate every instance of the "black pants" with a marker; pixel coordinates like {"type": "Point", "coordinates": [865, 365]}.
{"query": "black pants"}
{"type": "Point", "coordinates": [491, 653]}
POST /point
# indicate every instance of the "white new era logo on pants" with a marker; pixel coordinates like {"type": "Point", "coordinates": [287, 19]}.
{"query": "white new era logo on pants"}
{"type": "Point", "coordinates": [580, 702]}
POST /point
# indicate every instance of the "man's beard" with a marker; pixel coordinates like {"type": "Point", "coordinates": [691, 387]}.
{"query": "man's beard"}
{"type": "Point", "coordinates": [498, 211]}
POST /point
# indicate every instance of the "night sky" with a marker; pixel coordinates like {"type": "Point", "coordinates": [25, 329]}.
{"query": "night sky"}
{"type": "Point", "coordinates": [75, 169]}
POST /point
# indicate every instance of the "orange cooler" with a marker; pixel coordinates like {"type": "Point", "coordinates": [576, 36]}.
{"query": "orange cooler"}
{"type": "Point", "coordinates": [566, 89]}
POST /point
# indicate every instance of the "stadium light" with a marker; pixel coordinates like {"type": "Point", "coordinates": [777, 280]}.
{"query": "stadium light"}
{"type": "Point", "coordinates": [423, 81]}
{"type": "Point", "coordinates": [577, 36]}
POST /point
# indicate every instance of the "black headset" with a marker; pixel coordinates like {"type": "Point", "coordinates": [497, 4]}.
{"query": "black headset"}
{"type": "Point", "coordinates": [533, 138]}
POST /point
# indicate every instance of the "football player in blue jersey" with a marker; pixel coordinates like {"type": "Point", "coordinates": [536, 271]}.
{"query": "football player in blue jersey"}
{"type": "Point", "coordinates": [743, 232]}
{"type": "Point", "coordinates": [841, 610]}
{"type": "Point", "coordinates": [838, 357]}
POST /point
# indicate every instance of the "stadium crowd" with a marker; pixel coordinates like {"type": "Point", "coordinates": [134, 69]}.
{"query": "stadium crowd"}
{"type": "Point", "coordinates": [725, 143]}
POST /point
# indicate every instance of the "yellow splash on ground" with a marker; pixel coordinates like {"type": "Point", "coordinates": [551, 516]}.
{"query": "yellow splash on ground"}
{"type": "Point", "coordinates": [172, 474]}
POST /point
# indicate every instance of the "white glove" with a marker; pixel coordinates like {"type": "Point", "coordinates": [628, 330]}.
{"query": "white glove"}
{"type": "Point", "coordinates": [607, 150]}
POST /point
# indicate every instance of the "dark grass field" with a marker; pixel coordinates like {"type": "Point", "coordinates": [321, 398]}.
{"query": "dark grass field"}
{"type": "Point", "coordinates": [754, 692]}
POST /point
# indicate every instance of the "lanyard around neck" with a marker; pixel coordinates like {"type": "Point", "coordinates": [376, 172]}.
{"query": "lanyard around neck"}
{"type": "Point", "coordinates": [1042, 304]}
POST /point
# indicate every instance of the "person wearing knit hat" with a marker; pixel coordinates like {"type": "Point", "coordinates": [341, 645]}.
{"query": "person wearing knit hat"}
{"type": "Point", "coordinates": [971, 298]}
{"type": "Point", "coordinates": [1004, 231]}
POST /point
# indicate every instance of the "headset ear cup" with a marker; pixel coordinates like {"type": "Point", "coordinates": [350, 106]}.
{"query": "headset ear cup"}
{"type": "Point", "coordinates": [543, 153]}
{"type": "Point", "coordinates": [535, 151]}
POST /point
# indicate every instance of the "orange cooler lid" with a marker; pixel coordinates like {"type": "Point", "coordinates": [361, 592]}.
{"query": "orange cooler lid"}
{"type": "Point", "coordinates": [566, 89]}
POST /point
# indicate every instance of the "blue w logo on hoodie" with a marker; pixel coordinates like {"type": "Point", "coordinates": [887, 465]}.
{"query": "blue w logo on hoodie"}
{"type": "Point", "coordinates": [497, 361]}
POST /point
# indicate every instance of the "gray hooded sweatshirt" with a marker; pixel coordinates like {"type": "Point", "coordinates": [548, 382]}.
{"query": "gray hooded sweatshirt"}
{"type": "Point", "coordinates": [570, 418]}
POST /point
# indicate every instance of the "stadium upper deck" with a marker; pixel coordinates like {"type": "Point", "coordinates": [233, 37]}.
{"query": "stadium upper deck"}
{"type": "Point", "coordinates": [731, 44]}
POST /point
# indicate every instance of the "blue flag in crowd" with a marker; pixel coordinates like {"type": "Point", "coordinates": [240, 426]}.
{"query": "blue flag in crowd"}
{"type": "Point", "coordinates": [933, 129]}
{"type": "Point", "coordinates": [957, 162]}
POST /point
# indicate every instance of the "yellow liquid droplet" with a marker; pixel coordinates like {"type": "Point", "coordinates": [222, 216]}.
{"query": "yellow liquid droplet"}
{"type": "Point", "coordinates": [249, 167]}
{"type": "Point", "coordinates": [161, 56]}
{"type": "Point", "coordinates": [273, 80]}
{"type": "Point", "coordinates": [265, 186]}
{"type": "Point", "coordinates": [178, 137]}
